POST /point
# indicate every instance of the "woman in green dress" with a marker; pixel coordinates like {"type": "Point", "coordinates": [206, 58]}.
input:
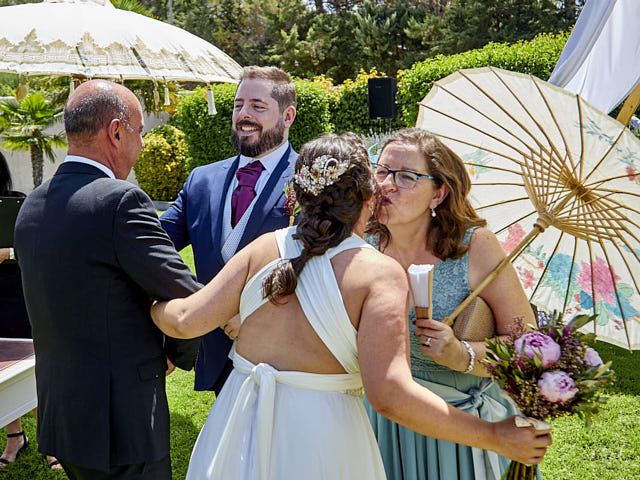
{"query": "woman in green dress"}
{"type": "Point", "coordinates": [425, 218]}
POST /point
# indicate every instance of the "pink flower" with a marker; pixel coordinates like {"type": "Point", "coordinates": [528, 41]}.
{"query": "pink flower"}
{"type": "Point", "coordinates": [527, 277]}
{"type": "Point", "coordinates": [592, 358]}
{"type": "Point", "coordinates": [631, 173]}
{"type": "Point", "coordinates": [515, 233]}
{"type": "Point", "coordinates": [556, 386]}
{"type": "Point", "coordinates": [536, 344]}
{"type": "Point", "coordinates": [602, 279]}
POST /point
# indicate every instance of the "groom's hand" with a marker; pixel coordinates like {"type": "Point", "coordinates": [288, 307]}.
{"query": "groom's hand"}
{"type": "Point", "coordinates": [170, 367]}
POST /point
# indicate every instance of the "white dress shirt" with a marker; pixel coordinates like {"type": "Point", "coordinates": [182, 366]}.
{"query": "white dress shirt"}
{"type": "Point", "coordinates": [93, 163]}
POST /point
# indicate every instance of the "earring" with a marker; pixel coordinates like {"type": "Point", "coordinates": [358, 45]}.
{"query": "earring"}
{"type": "Point", "coordinates": [433, 213]}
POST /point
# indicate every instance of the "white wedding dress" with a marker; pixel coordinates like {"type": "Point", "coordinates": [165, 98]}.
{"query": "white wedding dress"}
{"type": "Point", "coordinates": [287, 425]}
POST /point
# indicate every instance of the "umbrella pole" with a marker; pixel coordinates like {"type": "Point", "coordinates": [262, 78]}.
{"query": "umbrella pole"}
{"type": "Point", "coordinates": [629, 106]}
{"type": "Point", "coordinates": [539, 227]}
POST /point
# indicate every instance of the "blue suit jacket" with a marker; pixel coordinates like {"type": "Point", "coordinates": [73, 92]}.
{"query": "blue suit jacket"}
{"type": "Point", "coordinates": [196, 218]}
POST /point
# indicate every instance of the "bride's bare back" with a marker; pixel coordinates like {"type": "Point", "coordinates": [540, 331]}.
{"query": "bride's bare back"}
{"type": "Point", "coordinates": [280, 334]}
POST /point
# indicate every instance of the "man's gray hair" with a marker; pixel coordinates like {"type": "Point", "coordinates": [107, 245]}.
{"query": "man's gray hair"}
{"type": "Point", "coordinates": [90, 114]}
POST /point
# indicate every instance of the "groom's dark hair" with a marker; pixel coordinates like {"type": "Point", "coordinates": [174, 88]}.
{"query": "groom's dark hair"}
{"type": "Point", "coordinates": [326, 217]}
{"type": "Point", "coordinates": [283, 91]}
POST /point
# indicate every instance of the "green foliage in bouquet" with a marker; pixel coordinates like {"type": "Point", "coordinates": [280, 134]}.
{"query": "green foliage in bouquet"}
{"type": "Point", "coordinates": [551, 371]}
{"type": "Point", "coordinates": [161, 170]}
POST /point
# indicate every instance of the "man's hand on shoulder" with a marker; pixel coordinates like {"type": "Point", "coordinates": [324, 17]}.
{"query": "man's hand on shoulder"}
{"type": "Point", "coordinates": [170, 367]}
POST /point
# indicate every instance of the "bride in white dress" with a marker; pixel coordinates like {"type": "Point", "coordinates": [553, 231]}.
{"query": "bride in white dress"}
{"type": "Point", "coordinates": [323, 314]}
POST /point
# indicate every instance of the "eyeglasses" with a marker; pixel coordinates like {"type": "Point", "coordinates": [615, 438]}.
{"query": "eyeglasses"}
{"type": "Point", "coordinates": [401, 178]}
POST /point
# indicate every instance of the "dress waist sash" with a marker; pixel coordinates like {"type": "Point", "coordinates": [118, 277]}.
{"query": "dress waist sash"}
{"type": "Point", "coordinates": [259, 389]}
{"type": "Point", "coordinates": [480, 404]}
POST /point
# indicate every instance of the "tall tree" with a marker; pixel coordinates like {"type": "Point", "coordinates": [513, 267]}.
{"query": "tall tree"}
{"type": "Point", "coordinates": [25, 127]}
{"type": "Point", "coordinates": [469, 24]}
{"type": "Point", "coordinates": [382, 33]}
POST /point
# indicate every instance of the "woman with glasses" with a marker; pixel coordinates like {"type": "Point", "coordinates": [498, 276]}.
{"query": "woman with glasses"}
{"type": "Point", "coordinates": [425, 217]}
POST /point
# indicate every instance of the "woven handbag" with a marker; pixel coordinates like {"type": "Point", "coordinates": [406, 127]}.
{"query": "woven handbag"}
{"type": "Point", "coordinates": [476, 322]}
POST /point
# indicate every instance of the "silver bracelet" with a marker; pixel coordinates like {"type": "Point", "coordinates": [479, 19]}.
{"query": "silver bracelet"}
{"type": "Point", "coordinates": [472, 356]}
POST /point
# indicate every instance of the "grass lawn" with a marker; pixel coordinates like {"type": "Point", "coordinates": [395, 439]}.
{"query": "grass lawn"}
{"type": "Point", "coordinates": [609, 450]}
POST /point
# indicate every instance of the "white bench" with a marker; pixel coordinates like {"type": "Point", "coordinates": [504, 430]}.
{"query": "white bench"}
{"type": "Point", "coordinates": [17, 379]}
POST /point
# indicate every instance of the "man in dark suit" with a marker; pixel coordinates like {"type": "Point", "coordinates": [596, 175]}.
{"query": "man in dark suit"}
{"type": "Point", "coordinates": [93, 255]}
{"type": "Point", "coordinates": [225, 205]}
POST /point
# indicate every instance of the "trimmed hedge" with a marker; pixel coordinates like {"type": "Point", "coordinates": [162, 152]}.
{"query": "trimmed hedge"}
{"type": "Point", "coordinates": [314, 117]}
{"type": "Point", "coordinates": [350, 110]}
{"type": "Point", "coordinates": [160, 170]}
{"type": "Point", "coordinates": [209, 137]}
{"type": "Point", "coordinates": [537, 57]}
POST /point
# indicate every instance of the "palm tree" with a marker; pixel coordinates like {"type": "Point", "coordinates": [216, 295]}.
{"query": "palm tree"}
{"type": "Point", "coordinates": [25, 123]}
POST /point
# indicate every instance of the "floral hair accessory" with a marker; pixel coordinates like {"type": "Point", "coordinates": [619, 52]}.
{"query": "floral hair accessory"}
{"type": "Point", "coordinates": [324, 171]}
{"type": "Point", "coordinates": [291, 204]}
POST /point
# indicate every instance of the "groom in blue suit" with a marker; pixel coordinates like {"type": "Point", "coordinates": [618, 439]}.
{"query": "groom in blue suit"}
{"type": "Point", "coordinates": [225, 205]}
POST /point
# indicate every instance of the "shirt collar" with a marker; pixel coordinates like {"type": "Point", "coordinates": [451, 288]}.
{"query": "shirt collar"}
{"type": "Point", "coordinates": [93, 163]}
{"type": "Point", "coordinates": [269, 161]}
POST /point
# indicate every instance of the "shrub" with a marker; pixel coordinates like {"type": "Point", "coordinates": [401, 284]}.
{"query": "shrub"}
{"type": "Point", "coordinates": [209, 137]}
{"type": "Point", "coordinates": [314, 117]}
{"type": "Point", "coordinates": [6, 90]}
{"type": "Point", "coordinates": [350, 110]}
{"type": "Point", "coordinates": [536, 57]}
{"type": "Point", "coordinates": [160, 170]}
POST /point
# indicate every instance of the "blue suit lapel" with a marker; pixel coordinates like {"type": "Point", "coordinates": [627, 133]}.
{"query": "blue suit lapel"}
{"type": "Point", "coordinates": [218, 198]}
{"type": "Point", "coordinates": [271, 192]}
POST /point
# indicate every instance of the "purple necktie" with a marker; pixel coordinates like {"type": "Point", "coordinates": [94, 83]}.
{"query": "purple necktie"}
{"type": "Point", "coordinates": [245, 192]}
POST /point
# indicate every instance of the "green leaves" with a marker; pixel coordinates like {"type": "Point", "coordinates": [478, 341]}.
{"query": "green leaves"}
{"type": "Point", "coordinates": [580, 321]}
{"type": "Point", "coordinates": [537, 57]}
{"type": "Point", "coordinates": [24, 128]}
{"type": "Point", "coordinates": [161, 169]}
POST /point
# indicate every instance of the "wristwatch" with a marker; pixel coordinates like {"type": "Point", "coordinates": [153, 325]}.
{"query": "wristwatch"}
{"type": "Point", "coordinates": [12, 255]}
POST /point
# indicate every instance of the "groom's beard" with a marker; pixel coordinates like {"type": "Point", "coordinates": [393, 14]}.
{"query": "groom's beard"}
{"type": "Point", "coordinates": [268, 140]}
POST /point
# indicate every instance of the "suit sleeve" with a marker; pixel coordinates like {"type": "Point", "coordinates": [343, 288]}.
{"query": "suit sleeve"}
{"type": "Point", "coordinates": [149, 258]}
{"type": "Point", "coordinates": [174, 219]}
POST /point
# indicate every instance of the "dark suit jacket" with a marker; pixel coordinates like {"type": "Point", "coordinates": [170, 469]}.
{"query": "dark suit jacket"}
{"type": "Point", "coordinates": [93, 255]}
{"type": "Point", "coordinates": [196, 218]}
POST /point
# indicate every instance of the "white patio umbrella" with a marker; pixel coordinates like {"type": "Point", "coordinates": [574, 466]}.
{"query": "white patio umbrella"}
{"type": "Point", "coordinates": [558, 182]}
{"type": "Point", "coordinates": [95, 40]}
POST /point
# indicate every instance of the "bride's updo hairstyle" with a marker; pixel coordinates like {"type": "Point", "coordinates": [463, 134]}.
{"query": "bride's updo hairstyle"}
{"type": "Point", "coordinates": [332, 180]}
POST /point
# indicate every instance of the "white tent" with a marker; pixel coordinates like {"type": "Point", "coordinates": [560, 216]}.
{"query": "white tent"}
{"type": "Point", "coordinates": [600, 59]}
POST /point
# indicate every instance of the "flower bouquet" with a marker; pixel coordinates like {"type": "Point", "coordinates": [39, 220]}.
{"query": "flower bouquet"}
{"type": "Point", "coordinates": [548, 372]}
